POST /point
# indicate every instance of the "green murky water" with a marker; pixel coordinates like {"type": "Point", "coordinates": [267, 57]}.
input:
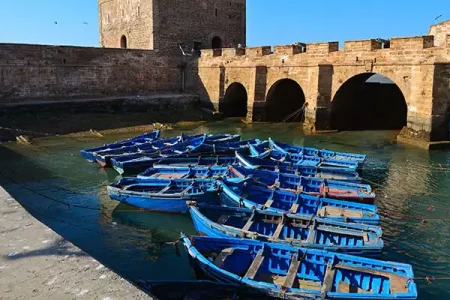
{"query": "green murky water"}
{"type": "Point", "coordinates": [407, 181]}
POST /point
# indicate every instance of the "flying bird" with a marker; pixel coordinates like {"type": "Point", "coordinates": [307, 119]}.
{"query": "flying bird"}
{"type": "Point", "coordinates": [85, 23]}
{"type": "Point", "coordinates": [438, 17]}
{"type": "Point", "coordinates": [56, 23]}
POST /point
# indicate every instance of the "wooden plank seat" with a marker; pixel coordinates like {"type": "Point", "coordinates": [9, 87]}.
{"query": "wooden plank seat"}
{"type": "Point", "coordinates": [249, 223]}
{"type": "Point", "coordinates": [328, 280]}
{"type": "Point", "coordinates": [291, 276]}
{"type": "Point", "coordinates": [277, 232]}
{"type": "Point", "coordinates": [170, 176]}
{"type": "Point", "coordinates": [220, 259]}
{"type": "Point", "coordinates": [398, 283]}
{"type": "Point", "coordinates": [256, 264]}
{"type": "Point", "coordinates": [339, 212]}
{"type": "Point", "coordinates": [294, 208]}
{"type": "Point", "coordinates": [268, 203]}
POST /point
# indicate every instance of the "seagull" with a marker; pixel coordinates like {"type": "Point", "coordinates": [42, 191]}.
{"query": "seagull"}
{"type": "Point", "coordinates": [85, 23]}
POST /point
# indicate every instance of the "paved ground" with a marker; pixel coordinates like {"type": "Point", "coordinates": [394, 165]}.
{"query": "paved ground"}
{"type": "Point", "coordinates": [36, 263]}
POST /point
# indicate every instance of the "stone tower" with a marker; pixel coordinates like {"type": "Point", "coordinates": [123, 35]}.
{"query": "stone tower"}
{"type": "Point", "coordinates": [164, 25]}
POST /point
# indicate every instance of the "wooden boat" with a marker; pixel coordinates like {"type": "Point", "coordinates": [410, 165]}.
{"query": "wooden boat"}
{"type": "Point", "coordinates": [88, 154]}
{"type": "Point", "coordinates": [326, 154]}
{"type": "Point", "coordinates": [229, 148]}
{"type": "Point", "coordinates": [193, 162]}
{"type": "Point", "coordinates": [177, 173]}
{"type": "Point", "coordinates": [261, 151]}
{"type": "Point", "coordinates": [342, 174]}
{"type": "Point", "coordinates": [104, 157]}
{"type": "Point", "coordinates": [199, 290]}
{"type": "Point", "coordinates": [163, 195]}
{"type": "Point", "coordinates": [248, 195]}
{"type": "Point", "coordinates": [297, 230]}
{"type": "Point", "coordinates": [270, 179]}
{"type": "Point", "coordinates": [309, 185]}
{"type": "Point", "coordinates": [305, 160]}
{"type": "Point", "coordinates": [289, 272]}
{"type": "Point", "coordinates": [222, 139]}
{"type": "Point", "coordinates": [135, 163]}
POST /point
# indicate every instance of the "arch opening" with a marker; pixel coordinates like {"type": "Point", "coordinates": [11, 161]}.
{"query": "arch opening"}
{"type": "Point", "coordinates": [234, 103]}
{"type": "Point", "coordinates": [123, 42]}
{"type": "Point", "coordinates": [216, 42]}
{"type": "Point", "coordinates": [368, 102]}
{"type": "Point", "coordinates": [285, 102]}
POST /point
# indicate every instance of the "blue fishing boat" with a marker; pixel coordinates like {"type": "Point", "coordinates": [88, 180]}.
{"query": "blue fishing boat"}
{"type": "Point", "coordinates": [229, 148]}
{"type": "Point", "coordinates": [177, 173]}
{"type": "Point", "coordinates": [342, 174]}
{"type": "Point", "coordinates": [309, 185]}
{"type": "Point", "coordinates": [248, 195]}
{"type": "Point", "coordinates": [270, 179]}
{"type": "Point", "coordinates": [135, 163]}
{"type": "Point", "coordinates": [288, 272]}
{"type": "Point", "coordinates": [199, 290]}
{"type": "Point", "coordinates": [297, 230]}
{"type": "Point", "coordinates": [192, 162]}
{"type": "Point", "coordinates": [88, 154]}
{"type": "Point", "coordinates": [104, 157]}
{"type": "Point", "coordinates": [326, 154]}
{"type": "Point", "coordinates": [163, 195]}
{"type": "Point", "coordinates": [308, 161]}
{"type": "Point", "coordinates": [222, 139]}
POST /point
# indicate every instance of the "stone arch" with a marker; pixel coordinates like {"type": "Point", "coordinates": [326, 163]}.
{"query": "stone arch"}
{"type": "Point", "coordinates": [234, 103]}
{"type": "Point", "coordinates": [369, 101]}
{"type": "Point", "coordinates": [216, 42]}
{"type": "Point", "coordinates": [123, 42]}
{"type": "Point", "coordinates": [285, 101]}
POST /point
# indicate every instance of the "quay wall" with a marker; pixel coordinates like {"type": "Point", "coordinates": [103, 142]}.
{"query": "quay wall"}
{"type": "Point", "coordinates": [31, 72]}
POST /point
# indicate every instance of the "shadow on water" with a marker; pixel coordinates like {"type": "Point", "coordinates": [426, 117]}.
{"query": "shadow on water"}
{"type": "Point", "coordinates": [133, 243]}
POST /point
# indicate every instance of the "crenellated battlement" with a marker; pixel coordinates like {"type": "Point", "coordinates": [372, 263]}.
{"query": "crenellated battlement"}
{"type": "Point", "coordinates": [412, 43]}
{"type": "Point", "coordinates": [258, 51]}
{"type": "Point", "coordinates": [357, 47]}
{"type": "Point", "coordinates": [362, 45]}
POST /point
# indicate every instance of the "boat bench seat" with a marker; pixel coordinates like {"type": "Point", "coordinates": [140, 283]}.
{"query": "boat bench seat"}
{"type": "Point", "coordinates": [328, 280]}
{"type": "Point", "coordinates": [256, 264]}
{"type": "Point", "coordinates": [220, 259]}
{"type": "Point", "coordinates": [398, 283]}
{"type": "Point", "coordinates": [339, 212]}
{"type": "Point", "coordinates": [291, 276]}
{"type": "Point", "coordinates": [268, 203]}
{"type": "Point", "coordinates": [294, 208]}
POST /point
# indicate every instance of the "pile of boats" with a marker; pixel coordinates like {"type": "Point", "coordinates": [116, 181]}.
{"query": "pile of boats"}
{"type": "Point", "coordinates": [277, 220]}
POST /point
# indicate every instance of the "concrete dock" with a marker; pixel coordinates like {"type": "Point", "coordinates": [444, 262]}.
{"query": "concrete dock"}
{"type": "Point", "coordinates": [36, 263]}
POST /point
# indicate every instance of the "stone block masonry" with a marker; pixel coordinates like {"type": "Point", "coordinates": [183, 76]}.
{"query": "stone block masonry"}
{"type": "Point", "coordinates": [414, 64]}
{"type": "Point", "coordinates": [30, 72]}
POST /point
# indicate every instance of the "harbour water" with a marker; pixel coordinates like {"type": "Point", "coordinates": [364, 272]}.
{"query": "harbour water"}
{"type": "Point", "coordinates": [411, 185]}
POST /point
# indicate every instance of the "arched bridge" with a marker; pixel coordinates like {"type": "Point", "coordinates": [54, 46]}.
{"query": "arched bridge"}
{"type": "Point", "coordinates": [334, 89]}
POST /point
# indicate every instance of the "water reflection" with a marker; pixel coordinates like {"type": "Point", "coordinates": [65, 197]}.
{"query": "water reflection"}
{"type": "Point", "coordinates": [408, 182]}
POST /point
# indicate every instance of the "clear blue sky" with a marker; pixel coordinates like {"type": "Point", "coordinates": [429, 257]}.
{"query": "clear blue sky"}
{"type": "Point", "coordinates": [269, 22]}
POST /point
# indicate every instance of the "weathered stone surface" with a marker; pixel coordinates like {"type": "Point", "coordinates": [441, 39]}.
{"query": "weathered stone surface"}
{"type": "Point", "coordinates": [165, 24]}
{"type": "Point", "coordinates": [418, 68]}
{"type": "Point", "coordinates": [47, 72]}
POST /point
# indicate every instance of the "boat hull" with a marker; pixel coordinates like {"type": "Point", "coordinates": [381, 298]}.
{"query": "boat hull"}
{"type": "Point", "coordinates": [206, 227]}
{"type": "Point", "coordinates": [166, 204]}
{"type": "Point", "coordinates": [325, 274]}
